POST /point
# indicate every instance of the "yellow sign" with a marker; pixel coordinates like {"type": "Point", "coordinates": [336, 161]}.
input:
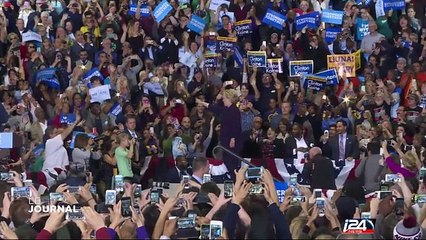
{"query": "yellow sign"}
{"type": "Point", "coordinates": [357, 55]}
{"type": "Point", "coordinates": [343, 63]}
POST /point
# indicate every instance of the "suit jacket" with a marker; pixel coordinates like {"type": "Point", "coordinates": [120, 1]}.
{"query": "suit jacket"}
{"type": "Point", "coordinates": [106, 120]}
{"type": "Point", "coordinates": [195, 180]}
{"type": "Point", "coordinates": [169, 51]}
{"type": "Point", "coordinates": [76, 48]}
{"type": "Point", "coordinates": [173, 175]}
{"type": "Point", "coordinates": [351, 147]}
{"type": "Point", "coordinates": [319, 173]}
{"type": "Point", "coordinates": [144, 54]}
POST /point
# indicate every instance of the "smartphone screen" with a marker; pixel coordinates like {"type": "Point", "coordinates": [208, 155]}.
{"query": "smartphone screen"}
{"type": "Point", "coordinates": [155, 197]}
{"type": "Point", "coordinates": [119, 183]}
{"type": "Point", "coordinates": [125, 207]}
{"type": "Point", "coordinates": [399, 206]}
{"type": "Point", "coordinates": [138, 191]}
{"type": "Point", "coordinates": [110, 197]}
{"type": "Point", "coordinates": [228, 188]}
{"type": "Point", "coordinates": [215, 229]}
{"type": "Point", "coordinates": [204, 232]}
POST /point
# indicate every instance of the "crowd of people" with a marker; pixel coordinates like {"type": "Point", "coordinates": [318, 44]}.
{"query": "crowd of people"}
{"type": "Point", "coordinates": [106, 103]}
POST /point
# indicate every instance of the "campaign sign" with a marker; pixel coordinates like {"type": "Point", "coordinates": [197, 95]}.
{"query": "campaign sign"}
{"type": "Point", "coordinates": [256, 58]}
{"type": "Point", "coordinates": [330, 75]}
{"type": "Point", "coordinates": [161, 11]}
{"type": "Point", "coordinates": [210, 60]}
{"type": "Point", "coordinates": [211, 45]}
{"type": "Point", "coordinates": [116, 109]}
{"type": "Point", "coordinates": [332, 16]}
{"type": "Point", "coordinates": [44, 74]}
{"type": "Point", "coordinates": [238, 57]}
{"type": "Point", "coordinates": [298, 68]}
{"type": "Point", "coordinates": [331, 34]}
{"type": "Point", "coordinates": [31, 36]}
{"type": "Point", "coordinates": [393, 4]}
{"type": "Point", "coordinates": [310, 20]}
{"type": "Point", "coordinates": [274, 19]}
{"type": "Point", "coordinates": [280, 188]}
{"type": "Point", "coordinates": [197, 24]}
{"type": "Point", "coordinates": [6, 140]}
{"type": "Point", "coordinates": [67, 118]}
{"type": "Point", "coordinates": [94, 72]}
{"type": "Point", "coordinates": [243, 28]}
{"type": "Point", "coordinates": [154, 87]}
{"type": "Point", "coordinates": [315, 83]}
{"type": "Point", "coordinates": [99, 94]}
{"type": "Point", "coordinates": [274, 65]}
{"type": "Point", "coordinates": [214, 4]}
{"type": "Point", "coordinates": [226, 43]}
{"type": "Point", "coordinates": [144, 10]}
{"type": "Point", "coordinates": [361, 28]}
{"type": "Point", "coordinates": [343, 63]}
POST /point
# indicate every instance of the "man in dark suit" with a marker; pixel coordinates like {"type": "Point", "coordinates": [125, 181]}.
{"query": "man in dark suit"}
{"type": "Point", "coordinates": [296, 145]}
{"type": "Point", "coordinates": [319, 171]}
{"type": "Point", "coordinates": [80, 44]}
{"type": "Point", "coordinates": [174, 174]}
{"type": "Point", "coordinates": [131, 130]}
{"type": "Point", "coordinates": [200, 166]}
{"type": "Point", "coordinates": [150, 50]}
{"type": "Point", "coordinates": [343, 146]}
{"type": "Point", "coordinates": [252, 140]}
{"type": "Point", "coordinates": [169, 46]}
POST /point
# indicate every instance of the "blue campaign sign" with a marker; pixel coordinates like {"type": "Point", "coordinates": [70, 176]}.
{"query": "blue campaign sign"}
{"type": "Point", "coordinates": [314, 82]}
{"type": "Point", "coordinates": [298, 68]}
{"type": "Point", "coordinates": [332, 16]}
{"type": "Point", "coordinates": [274, 19]}
{"type": "Point", "coordinates": [280, 187]}
{"type": "Point", "coordinates": [238, 57]}
{"type": "Point", "coordinates": [47, 73]}
{"type": "Point", "coordinates": [161, 11]}
{"type": "Point", "coordinates": [197, 24]}
{"type": "Point", "coordinates": [310, 20]}
{"type": "Point", "coordinates": [144, 10]}
{"type": "Point", "coordinates": [330, 75]}
{"type": "Point", "coordinates": [256, 58]}
{"type": "Point", "coordinates": [393, 4]}
{"type": "Point", "coordinates": [94, 72]}
{"type": "Point", "coordinates": [6, 140]}
{"type": "Point", "coordinates": [361, 28]}
{"type": "Point", "coordinates": [67, 118]}
{"type": "Point", "coordinates": [331, 34]}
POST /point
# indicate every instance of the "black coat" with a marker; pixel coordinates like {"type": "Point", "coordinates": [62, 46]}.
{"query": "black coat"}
{"type": "Point", "coordinates": [319, 173]}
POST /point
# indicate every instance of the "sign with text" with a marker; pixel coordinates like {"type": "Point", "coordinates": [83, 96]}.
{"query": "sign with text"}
{"type": "Point", "coordinates": [331, 34]}
{"type": "Point", "coordinates": [197, 24]}
{"type": "Point", "coordinates": [226, 43]}
{"type": "Point", "coordinates": [298, 68]}
{"type": "Point", "coordinates": [94, 72]}
{"type": "Point", "coordinates": [99, 94]}
{"type": "Point", "coordinates": [330, 75]}
{"type": "Point", "coordinates": [393, 4]}
{"type": "Point", "coordinates": [243, 28]}
{"type": "Point", "coordinates": [343, 63]}
{"type": "Point", "coordinates": [310, 20]}
{"type": "Point", "coordinates": [315, 83]}
{"type": "Point", "coordinates": [210, 60]}
{"type": "Point", "coordinates": [274, 65]}
{"type": "Point", "coordinates": [161, 11]}
{"type": "Point", "coordinates": [144, 10]}
{"type": "Point", "coordinates": [274, 19]}
{"type": "Point", "coordinates": [214, 4]}
{"type": "Point", "coordinates": [332, 16]}
{"type": "Point", "coordinates": [357, 55]}
{"type": "Point", "coordinates": [361, 28]}
{"type": "Point", "coordinates": [31, 36]}
{"type": "Point", "coordinates": [238, 57]}
{"type": "Point", "coordinates": [256, 58]}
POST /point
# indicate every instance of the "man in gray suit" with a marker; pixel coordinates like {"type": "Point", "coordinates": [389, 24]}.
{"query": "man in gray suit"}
{"type": "Point", "coordinates": [370, 168]}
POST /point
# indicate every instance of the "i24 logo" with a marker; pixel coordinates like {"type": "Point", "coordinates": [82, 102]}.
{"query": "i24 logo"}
{"type": "Point", "coordinates": [358, 226]}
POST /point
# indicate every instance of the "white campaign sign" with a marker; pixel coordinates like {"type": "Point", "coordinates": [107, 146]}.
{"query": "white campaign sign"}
{"type": "Point", "coordinates": [99, 94]}
{"type": "Point", "coordinates": [214, 4]}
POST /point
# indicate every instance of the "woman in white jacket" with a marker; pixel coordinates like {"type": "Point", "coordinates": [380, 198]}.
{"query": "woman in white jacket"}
{"type": "Point", "coordinates": [82, 150]}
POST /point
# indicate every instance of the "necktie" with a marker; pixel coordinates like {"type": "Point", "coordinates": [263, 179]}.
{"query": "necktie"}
{"type": "Point", "coordinates": [341, 148]}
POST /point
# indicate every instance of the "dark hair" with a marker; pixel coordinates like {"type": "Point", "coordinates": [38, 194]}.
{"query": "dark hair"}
{"type": "Point", "coordinates": [373, 147]}
{"type": "Point", "coordinates": [198, 163]}
{"type": "Point", "coordinates": [81, 140]}
{"type": "Point", "coordinates": [210, 187]}
{"type": "Point", "coordinates": [19, 211]}
{"type": "Point", "coordinates": [343, 122]}
{"type": "Point", "coordinates": [151, 214]}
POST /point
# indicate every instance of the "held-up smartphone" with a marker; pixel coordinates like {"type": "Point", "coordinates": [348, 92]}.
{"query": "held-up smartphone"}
{"type": "Point", "coordinates": [384, 187]}
{"type": "Point", "coordinates": [254, 172]}
{"type": "Point", "coordinates": [408, 148]}
{"type": "Point", "coordinates": [365, 215]}
{"type": "Point", "coordinates": [184, 223]}
{"type": "Point", "coordinates": [56, 197]}
{"type": "Point", "coordinates": [216, 228]}
{"type": "Point", "coordinates": [28, 183]}
{"type": "Point", "coordinates": [293, 180]}
{"type": "Point", "coordinates": [73, 189]}
{"type": "Point", "coordinates": [110, 197]}
{"type": "Point", "coordinates": [75, 215]}
{"type": "Point", "coordinates": [205, 232]}
{"type": "Point", "coordinates": [192, 214]}
{"type": "Point", "coordinates": [138, 191]}
{"type": "Point", "coordinates": [155, 197]}
{"type": "Point", "coordinates": [207, 178]}
{"type": "Point", "coordinates": [228, 83]}
{"type": "Point", "coordinates": [185, 179]}
{"type": "Point", "coordinates": [256, 189]}
{"type": "Point", "coordinates": [317, 193]}
{"type": "Point", "coordinates": [420, 198]}
{"type": "Point", "coordinates": [326, 133]}
{"type": "Point", "coordinates": [6, 176]}
{"type": "Point", "coordinates": [101, 208]}
{"type": "Point", "coordinates": [320, 202]}
{"type": "Point", "coordinates": [126, 202]}
{"type": "Point", "coordinates": [20, 192]}
{"type": "Point", "coordinates": [93, 189]}
{"type": "Point", "coordinates": [383, 194]}
{"type": "Point", "coordinates": [119, 183]}
{"type": "Point", "coordinates": [297, 199]}
{"type": "Point", "coordinates": [228, 188]}
{"type": "Point", "coordinates": [392, 178]}
{"type": "Point", "coordinates": [422, 173]}
{"type": "Point", "coordinates": [179, 101]}
{"type": "Point", "coordinates": [399, 206]}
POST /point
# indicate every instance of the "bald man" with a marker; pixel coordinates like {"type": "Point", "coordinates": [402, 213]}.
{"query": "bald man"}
{"type": "Point", "coordinates": [319, 170]}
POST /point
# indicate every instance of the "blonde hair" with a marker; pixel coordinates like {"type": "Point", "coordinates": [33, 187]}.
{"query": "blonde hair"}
{"type": "Point", "coordinates": [120, 137]}
{"type": "Point", "coordinates": [297, 225]}
{"type": "Point", "coordinates": [231, 94]}
{"type": "Point", "coordinates": [410, 160]}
